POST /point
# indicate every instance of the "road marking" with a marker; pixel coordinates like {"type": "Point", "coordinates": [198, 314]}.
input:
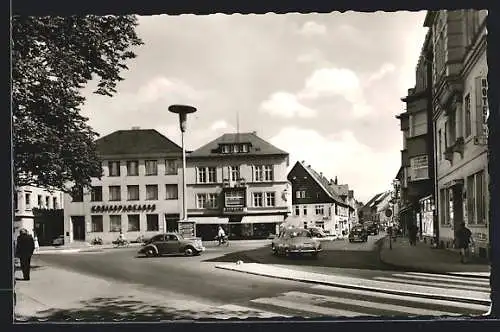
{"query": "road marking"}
{"type": "Point", "coordinates": [284, 303]}
{"type": "Point", "coordinates": [319, 299]}
{"type": "Point", "coordinates": [434, 284]}
{"type": "Point", "coordinates": [261, 313]}
{"type": "Point", "coordinates": [471, 281]}
{"type": "Point", "coordinates": [414, 299]}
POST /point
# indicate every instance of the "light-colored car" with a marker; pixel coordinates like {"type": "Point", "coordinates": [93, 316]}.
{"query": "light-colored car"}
{"type": "Point", "coordinates": [320, 234]}
{"type": "Point", "coordinates": [296, 241]}
{"type": "Point", "coordinates": [171, 243]}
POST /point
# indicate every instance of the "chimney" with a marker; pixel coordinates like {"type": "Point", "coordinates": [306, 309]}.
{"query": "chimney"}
{"type": "Point", "coordinates": [331, 182]}
{"type": "Point", "coordinates": [321, 173]}
{"type": "Point", "coordinates": [336, 180]}
{"type": "Point", "coordinates": [254, 132]}
{"type": "Point", "coordinates": [136, 128]}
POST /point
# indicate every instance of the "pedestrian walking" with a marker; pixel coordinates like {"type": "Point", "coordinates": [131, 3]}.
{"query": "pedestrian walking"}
{"type": "Point", "coordinates": [412, 233]}
{"type": "Point", "coordinates": [37, 245]}
{"type": "Point", "coordinates": [221, 234]}
{"type": "Point", "coordinates": [464, 239]}
{"type": "Point", "coordinates": [25, 245]}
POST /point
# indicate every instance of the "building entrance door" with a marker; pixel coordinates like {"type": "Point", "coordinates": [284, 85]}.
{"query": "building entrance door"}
{"type": "Point", "coordinates": [458, 208]}
{"type": "Point", "coordinates": [78, 228]}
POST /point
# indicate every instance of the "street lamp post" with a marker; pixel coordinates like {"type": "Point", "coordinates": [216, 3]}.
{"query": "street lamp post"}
{"type": "Point", "coordinates": [183, 111]}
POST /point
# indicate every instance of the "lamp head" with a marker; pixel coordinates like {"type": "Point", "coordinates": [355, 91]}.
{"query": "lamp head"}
{"type": "Point", "coordinates": [183, 111]}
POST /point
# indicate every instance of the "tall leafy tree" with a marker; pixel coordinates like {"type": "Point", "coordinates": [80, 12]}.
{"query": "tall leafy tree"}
{"type": "Point", "coordinates": [53, 58]}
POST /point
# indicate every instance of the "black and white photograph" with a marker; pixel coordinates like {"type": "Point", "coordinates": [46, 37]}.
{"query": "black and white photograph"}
{"type": "Point", "coordinates": [250, 167]}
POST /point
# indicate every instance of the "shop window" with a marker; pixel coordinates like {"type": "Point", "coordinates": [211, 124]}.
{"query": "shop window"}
{"type": "Point", "coordinates": [152, 223]}
{"type": "Point", "coordinates": [133, 223]}
{"type": "Point", "coordinates": [97, 224]}
{"type": "Point", "coordinates": [115, 223]}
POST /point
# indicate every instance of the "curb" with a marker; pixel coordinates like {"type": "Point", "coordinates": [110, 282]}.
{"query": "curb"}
{"type": "Point", "coordinates": [409, 268]}
{"type": "Point", "coordinates": [394, 292]}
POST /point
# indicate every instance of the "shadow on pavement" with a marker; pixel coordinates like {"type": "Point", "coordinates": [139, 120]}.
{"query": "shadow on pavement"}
{"type": "Point", "coordinates": [355, 259]}
{"type": "Point", "coordinates": [123, 309]}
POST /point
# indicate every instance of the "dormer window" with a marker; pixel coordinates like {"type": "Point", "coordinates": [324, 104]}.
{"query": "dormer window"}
{"type": "Point", "coordinates": [235, 148]}
{"type": "Point", "coordinates": [225, 149]}
{"type": "Point", "coordinates": [244, 148]}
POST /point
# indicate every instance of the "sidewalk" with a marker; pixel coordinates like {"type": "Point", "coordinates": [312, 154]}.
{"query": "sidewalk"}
{"type": "Point", "coordinates": [78, 247]}
{"type": "Point", "coordinates": [424, 258]}
{"type": "Point", "coordinates": [55, 294]}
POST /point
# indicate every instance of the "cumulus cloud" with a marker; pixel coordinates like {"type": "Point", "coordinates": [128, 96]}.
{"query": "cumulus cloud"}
{"type": "Point", "coordinates": [163, 88]}
{"type": "Point", "coordinates": [386, 68]}
{"type": "Point", "coordinates": [341, 155]}
{"type": "Point", "coordinates": [323, 82]}
{"type": "Point", "coordinates": [220, 124]}
{"type": "Point", "coordinates": [286, 105]}
{"type": "Point", "coordinates": [311, 28]}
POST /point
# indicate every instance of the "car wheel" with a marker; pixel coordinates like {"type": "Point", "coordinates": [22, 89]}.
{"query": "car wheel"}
{"type": "Point", "coordinates": [189, 251]}
{"type": "Point", "coordinates": [150, 252]}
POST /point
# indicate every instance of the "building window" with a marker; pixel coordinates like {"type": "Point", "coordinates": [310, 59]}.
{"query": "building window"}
{"type": "Point", "coordinates": [446, 205]}
{"type": "Point", "coordinates": [152, 224]}
{"type": "Point", "coordinates": [115, 223]}
{"type": "Point", "coordinates": [171, 191]}
{"type": "Point", "coordinates": [206, 175]}
{"type": "Point", "coordinates": [39, 201]}
{"type": "Point", "coordinates": [152, 192]}
{"type": "Point", "coordinates": [476, 196]}
{"type": "Point", "coordinates": [151, 167]}
{"type": "Point", "coordinates": [259, 173]}
{"type": "Point", "coordinates": [114, 168]}
{"type": "Point", "coordinates": [132, 168]}
{"type": "Point", "coordinates": [212, 201]}
{"type": "Point", "coordinates": [27, 199]}
{"type": "Point", "coordinates": [201, 201]}
{"type": "Point", "coordinates": [47, 202]}
{"type": "Point", "coordinates": [268, 173]}
{"type": "Point", "coordinates": [305, 210]}
{"type": "Point", "coordinates": [77, 194]}
{"type": "Point", "coordinates": [320, 210]}
{"type": "Point", "coordinates": [170, 166]}
{"type": "Point", "coordinates": [133, 223]}
{"type": "Point", "coordinates": [235, 173]}
{"type": "Point", "coordinates": [418, 124]}
{"type": "Point", "coordinates": [55, 203]}
{"type": "Point", "coordinates": [244, 148]}
{"type": "Point", "coordinates": [133, 193]}
{"type": "Point", "coordinates": [419, 168]}
{"type": "Point", "coordinates": [270, 199]}
{"type": "Point", "coordinates": [236, 148]}
{"type": "Point", "coordinates": [468, 118]}
{"type": "Point", "coordinates": [234, 199]}
{"type": "Point", "coordinates": [300, 194]}
{"type": "Point", "coordinates": [115, 193]}
{"type": "Point", "coordinates": [451, 126]}
{"type": "Point", "coordinates": [96, 194]}
{"type": "Point", "coordinates": [297, 210]}
{"type": "Point", "coordinates": [96, 224]}
{"type": "Point", "coordinates": [225, 149]}
{"type": "Point", "coordinates": [258, 200]}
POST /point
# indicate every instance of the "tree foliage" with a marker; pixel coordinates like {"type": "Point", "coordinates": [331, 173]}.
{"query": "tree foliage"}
{"type": "Point", "coordinates": [53, 58]}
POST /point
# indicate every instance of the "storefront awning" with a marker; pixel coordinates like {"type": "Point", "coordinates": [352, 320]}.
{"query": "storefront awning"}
{"type": "Point", "coordinates": [209, 220]}
{"type": "Point", "coordinates": [263, 219]}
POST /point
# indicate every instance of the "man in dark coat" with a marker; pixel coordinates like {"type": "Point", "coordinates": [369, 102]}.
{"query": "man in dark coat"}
{"type": "Point", "coordinates": [464, 239]}
{"type": "Point", "coordinates": [24, 250]}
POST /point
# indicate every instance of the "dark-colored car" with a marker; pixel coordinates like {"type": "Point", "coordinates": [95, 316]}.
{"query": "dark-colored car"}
{"type": "Point", "coordinates": [358, 233]}
{"type": "Point", "coordinates": [171, 243]}
{"type": "Point", "coordinates": [296, 241]}
{"type": "Point", "coordinates": [372, 228]}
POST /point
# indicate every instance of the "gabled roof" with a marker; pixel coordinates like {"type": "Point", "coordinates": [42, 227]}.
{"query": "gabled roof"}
{"type": "Point", "coordinates": [136, 141]}
{"type": "Point", "coordinates": [322, 182]}
{"type": "Point", "coordinates": [258, 146]}
{"type": "Point", "coordinates": [372, 201]}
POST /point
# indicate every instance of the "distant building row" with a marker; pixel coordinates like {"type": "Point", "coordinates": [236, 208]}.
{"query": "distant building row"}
{"type": "Point", "coordinates": [443, 179]}
{"type": "Point", "coordinates": [238, 181]}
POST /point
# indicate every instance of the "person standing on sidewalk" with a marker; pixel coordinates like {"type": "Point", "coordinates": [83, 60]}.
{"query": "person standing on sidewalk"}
{"type": "Point", "coordinates": [412, 233]}
{"type": "Point", "coordinates": [464, 238]}
{"type": "Point", "coordinates": [24, 250]}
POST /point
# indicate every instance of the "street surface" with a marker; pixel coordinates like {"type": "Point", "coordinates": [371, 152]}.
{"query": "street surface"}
{"type": "Point", "coordinates": [196, 277]}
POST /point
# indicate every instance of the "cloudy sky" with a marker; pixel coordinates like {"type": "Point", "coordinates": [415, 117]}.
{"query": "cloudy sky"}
{"type": "Point", "coordinates": [324, 87]}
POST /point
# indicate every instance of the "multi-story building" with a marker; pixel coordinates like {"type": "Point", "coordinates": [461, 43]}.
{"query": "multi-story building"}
{"type": "Point", "coordinates": [370, 211]}
{"type": "Point", "coordinates": [417, 156]}
{"type": "Point", "coordinates": [137, 194]}
{"type": "Point", "coordinates": [460, 111]}
{"type": "Point", "coordinates": [39, 211]}
{"type": "Point", "coordinates": [237, 181]}
{"type": "Point", "coordinates": [315, 203]}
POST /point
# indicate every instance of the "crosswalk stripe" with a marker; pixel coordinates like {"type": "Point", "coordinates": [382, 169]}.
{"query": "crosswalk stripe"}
{"type": "Point", "coordinates": [284, 303]}
{"type": "Point", "coordinates": [413, 299]}
{"type": "Point", "coordinates": [434, 284]}
{"type": "Point", "coordinates": [261, 313]}
{"type": "Point", "coordinates": [378, 305]}
{"type": "Point", "coordinates": [428, 276]}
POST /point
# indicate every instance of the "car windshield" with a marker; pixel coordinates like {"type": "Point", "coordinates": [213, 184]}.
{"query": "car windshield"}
{"type": "Point", "coordinates": [302, 233]}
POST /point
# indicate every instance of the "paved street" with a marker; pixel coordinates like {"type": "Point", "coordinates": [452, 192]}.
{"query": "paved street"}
{"type": "Point", "coordinates": [194, 283]}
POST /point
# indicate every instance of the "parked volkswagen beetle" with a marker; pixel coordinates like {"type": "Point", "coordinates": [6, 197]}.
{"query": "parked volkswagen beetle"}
{"type": "Point", "coordinates": [171, 243]}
